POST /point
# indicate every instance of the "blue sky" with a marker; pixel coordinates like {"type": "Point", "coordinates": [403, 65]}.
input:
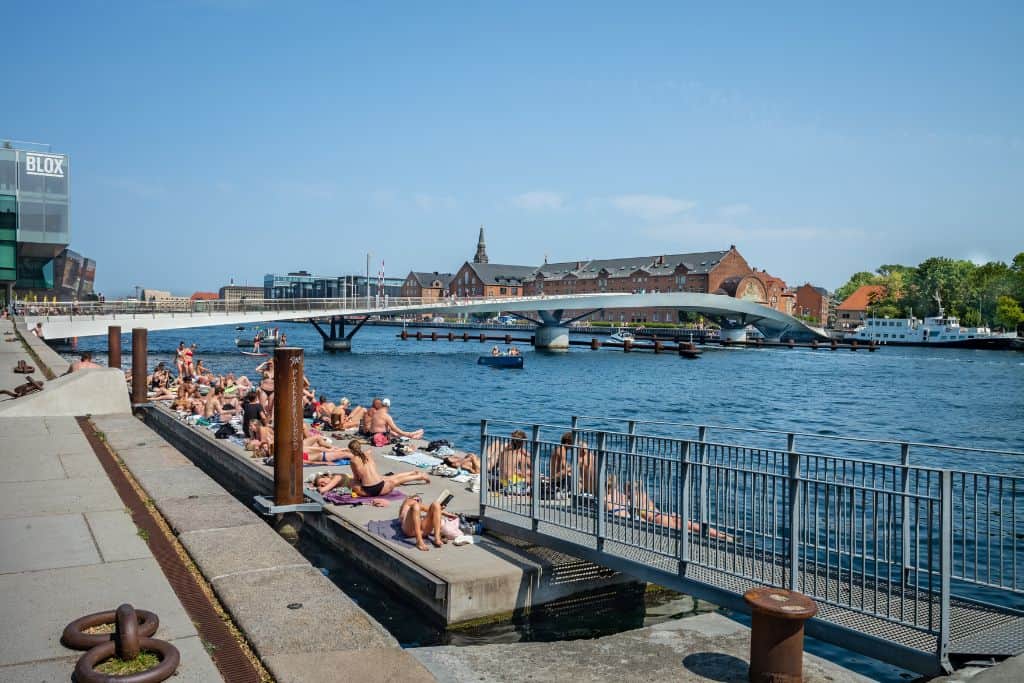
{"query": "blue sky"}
{"type": "Point", "coordinates": [211, 140]}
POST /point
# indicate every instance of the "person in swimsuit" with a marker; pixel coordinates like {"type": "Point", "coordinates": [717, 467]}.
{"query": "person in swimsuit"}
{"type": "Point", "coordinates": [343, 417]}
{"type": "Point", "coordinates": [381, 422]}
{"type": "Point", "coordinates": [469, 462]}
{"type": "Point", "coordinates": [179, 358]}
{"type": "Point", "coordinates": [365, 470]}
{"type": "Point", "coordinates": [511, 462]}
{"type": "Point", "coordinates": [418, 522]}
{"type": "Point", "coordinates": [190, 353]}
{"type": "Point", "coordinates": [561, 467]}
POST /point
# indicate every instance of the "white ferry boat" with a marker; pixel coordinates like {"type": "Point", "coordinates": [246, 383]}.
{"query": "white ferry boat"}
{"type": "Point", "coordinates": [939, 330]}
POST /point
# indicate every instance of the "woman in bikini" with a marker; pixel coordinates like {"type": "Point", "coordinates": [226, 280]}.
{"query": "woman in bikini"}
{"type": "Point", "coordinates": [365, 470]}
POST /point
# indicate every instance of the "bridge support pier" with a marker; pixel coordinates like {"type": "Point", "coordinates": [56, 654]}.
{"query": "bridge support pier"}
{"type": "Point", "coordinates": [336, 339]}
{"type": "Point", "coordinates": [552, 338]}
{"type": "Point", "coordinates": [734, 334]}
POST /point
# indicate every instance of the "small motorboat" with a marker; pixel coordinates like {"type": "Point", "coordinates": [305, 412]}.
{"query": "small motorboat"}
{"type": "Point", "coordinates": [624, 335]}
{"type": "Point", "coordinates": [501, 361]}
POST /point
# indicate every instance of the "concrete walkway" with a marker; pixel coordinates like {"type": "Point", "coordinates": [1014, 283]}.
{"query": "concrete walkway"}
{"type": "Point", "coordinates": [69, 548]}
{"type": "Point", "coordinates": [707, 647]}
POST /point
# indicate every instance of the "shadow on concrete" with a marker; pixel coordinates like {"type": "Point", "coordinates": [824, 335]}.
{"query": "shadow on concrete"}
{"type": "Point", "coordinates": [717, 666]}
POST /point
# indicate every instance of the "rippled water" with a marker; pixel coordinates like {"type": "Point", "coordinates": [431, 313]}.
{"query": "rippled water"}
{"type": "Point", "coordinates": [961, 397]}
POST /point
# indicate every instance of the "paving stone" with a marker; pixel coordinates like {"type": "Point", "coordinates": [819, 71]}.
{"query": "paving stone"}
{"type": "Point", "coordinates": [195, 667]}
{"type": "Point", "coordinates": [36, 606]}
{"type": "Point", "coordinates": [62, 425]}
{"type": "Point", "coordinates": [28, 466]}
{"type": "Point", "coordinates": [205, 512]}
{"type": "Point", "coordinates": [382, 665]}
{"type": "Point", "coordinates": [219, 552]}
{"type": "Point", "coordinates": [259, 603]}
{"type": "Point", "coordinates": [33, 543]}
{"type": "Point", "coordinates": [117, 536]}
{"type": "Point", "coordinates": [156, 457]}
{"type": "Point", "coordinates": [57, 497]}
{"type": "Point", "coordinates": [82, 466]}
{"type": "Point", "coordinates": [177, 482]}
{"type": "Point", "coordinates": [23, 426]}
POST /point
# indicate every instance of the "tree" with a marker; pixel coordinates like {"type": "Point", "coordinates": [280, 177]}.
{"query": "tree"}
{"type": "Point", "coordinates": [946, 277]}
{"type": "Point", "coordinates": [971, 318]}
{"type": "Point", "coordinates": [1008, 313]}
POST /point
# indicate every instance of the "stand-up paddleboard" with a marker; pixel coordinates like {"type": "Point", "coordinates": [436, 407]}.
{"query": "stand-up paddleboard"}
{"type": "Point", "coordinates": [253, 353]}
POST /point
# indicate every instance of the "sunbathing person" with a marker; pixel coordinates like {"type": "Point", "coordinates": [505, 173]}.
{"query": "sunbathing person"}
{"type": "Point", "coordinates": [633, 502]}
{"type": "Point", "coordinates": [511, 462]}
{"type": "Point", "coordinates": [469, 462]}
{"type": "Point", "coordinates": [365, 470]}
{"type": "Point", "coordinates": [418, 522]}
{"type": "Point", "coordinates": [381, 422]}
{"type": "Point", "coordinates": [214, 408]}
{"type": "Point", "coordinates": [326, 481]}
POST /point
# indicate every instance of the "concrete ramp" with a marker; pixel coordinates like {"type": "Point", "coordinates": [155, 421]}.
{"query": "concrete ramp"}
{"type": "Point", "coordinates": [100, 391]}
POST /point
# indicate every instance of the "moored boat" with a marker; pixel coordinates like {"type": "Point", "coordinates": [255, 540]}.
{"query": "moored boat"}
{"type": "Point", "coordinates": [935, 331]}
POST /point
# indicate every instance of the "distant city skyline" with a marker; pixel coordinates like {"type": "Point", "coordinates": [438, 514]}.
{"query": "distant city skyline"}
{"type": "Point", "coordinates": [213, 140]}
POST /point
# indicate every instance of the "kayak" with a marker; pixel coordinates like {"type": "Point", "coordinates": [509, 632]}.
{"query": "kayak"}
{"type": "Point", "coordinates": [501, 361]}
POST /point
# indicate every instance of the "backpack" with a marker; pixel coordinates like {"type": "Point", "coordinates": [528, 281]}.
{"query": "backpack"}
{"type": "Point", "coordinates": [224, 431]}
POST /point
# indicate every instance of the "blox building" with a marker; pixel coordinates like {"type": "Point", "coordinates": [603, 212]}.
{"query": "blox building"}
{"type": "Point", "coordinates": [35, 225]}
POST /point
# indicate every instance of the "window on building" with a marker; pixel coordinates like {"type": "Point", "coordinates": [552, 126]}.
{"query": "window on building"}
{"type": "Point", "coordinates": [503, 290]}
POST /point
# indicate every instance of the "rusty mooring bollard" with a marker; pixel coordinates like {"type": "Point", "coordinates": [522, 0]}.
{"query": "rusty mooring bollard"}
{"type": "Point", "coordinates": [777, 634]}
{"type": "Point", "coordinates": [132, 634]}
{"type": "Point", "coordinates": [114, 346]}
{"type": "Point", "coordinates": [139, 365]}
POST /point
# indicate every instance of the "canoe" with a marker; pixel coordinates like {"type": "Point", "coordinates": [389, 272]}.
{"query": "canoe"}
{"type": "Point", "coordinates": [501, 361]}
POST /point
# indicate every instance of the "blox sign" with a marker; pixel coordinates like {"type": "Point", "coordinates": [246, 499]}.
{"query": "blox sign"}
{"type": "Point", "coordinates": [51, 165]}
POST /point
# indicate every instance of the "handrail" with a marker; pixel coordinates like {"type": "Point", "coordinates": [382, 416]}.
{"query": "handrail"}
{"type": "Point", "coordinates": [826, 437]}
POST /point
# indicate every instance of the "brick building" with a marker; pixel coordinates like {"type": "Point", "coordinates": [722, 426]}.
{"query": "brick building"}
{"type": "Point", "coordinates": [489, 279]}
{"type": "Point", "coordinates": [427, 285]}
{"type": "Point", "coordinates": [716, 272]}
{"type": "Point", "coordinates": [812, 302]}
{"type": "Point", "coordinates": [851, 313]}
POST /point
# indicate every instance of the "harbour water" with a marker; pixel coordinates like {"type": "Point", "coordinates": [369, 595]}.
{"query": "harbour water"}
{"type": "Point", "coordinates": [963, 397]}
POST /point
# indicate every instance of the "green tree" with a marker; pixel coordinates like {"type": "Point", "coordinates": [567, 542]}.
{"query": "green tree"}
{"type": "Point", "coordinates": [1008, 313]}
{"type": "Point", "coordinates": [971, 318]}
{"type": "Point", "coordinates": [945, 277]}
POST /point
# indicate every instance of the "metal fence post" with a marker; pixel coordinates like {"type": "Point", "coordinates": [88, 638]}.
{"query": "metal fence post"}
{"type": "Point", "coordinates": [575, 422]}
{"type": "Point", "coordinates": [683, 499]}
{"type": "Point", "coordinates": [602, 491]}
{"type": "Point", "coordinates": [535, 477]}
{"type": "Point", "coordinates": [905, 487]}
{"type": "Point", "coordinates": [703, 516]}
{"type": "Point", "coordinates": [794, 519]}
{"type": "Point", "coordinates": [484, 468]}
{"type": "Point", "coordinates": [945, 564]}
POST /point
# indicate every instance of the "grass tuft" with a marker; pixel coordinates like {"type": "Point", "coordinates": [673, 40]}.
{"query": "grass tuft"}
{"type": "Point", "coordinates": [120, 667]}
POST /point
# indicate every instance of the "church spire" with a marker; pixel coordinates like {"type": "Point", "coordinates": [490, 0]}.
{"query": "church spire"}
{"type": "Point", "coordinates": [481, 249]}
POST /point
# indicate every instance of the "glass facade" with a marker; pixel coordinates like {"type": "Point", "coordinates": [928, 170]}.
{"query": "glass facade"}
{"type": "Point", "coordinates": [302, 285]}
{"type": "Point", "coordinates": [35, 221]}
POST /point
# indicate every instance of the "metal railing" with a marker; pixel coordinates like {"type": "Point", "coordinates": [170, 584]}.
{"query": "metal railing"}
{"type": "Point", "coordinates": [132, 307]}
{"type": "Point", "coordinates": [883, 540]}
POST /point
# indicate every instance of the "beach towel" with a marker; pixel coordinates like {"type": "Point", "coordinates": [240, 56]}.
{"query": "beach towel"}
{"type": "Point", "coordinates": [347, 499]}
{"type": "Point", "coordinates": [390, 530]}
{"type": "Point", "coordinates": [417, 459]}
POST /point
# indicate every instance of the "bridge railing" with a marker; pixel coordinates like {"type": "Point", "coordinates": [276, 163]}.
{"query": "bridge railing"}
{"type": "Point", "coordinates": [131, 307]}
{"type": "Point", "coordinates": [987, 507]}
{"type": "Point", "coordinates": [730, 516]}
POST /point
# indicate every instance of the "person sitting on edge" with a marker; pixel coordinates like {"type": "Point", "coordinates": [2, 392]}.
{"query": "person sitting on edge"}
{"type": "Point", "coordinates": [84, 363]}
{"type": "Point", "coordinates": [365, 470]}
{"type": "Point", "coordinates": [511, 462]}
{"type": "Point", "coordinates": [469, 462]}
{"type": "Point", "coordinates": [342, 417]}
{"type": "Point", "coordinates": [38, 331]}
{"type": "Point", "coordinates": [381, 422]}
{"type": "Point", "coordinates": [561, 467]}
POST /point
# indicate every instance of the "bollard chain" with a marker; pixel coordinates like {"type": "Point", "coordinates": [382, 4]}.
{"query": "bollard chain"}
{"type": "Point", "coordinates": [133, 631]}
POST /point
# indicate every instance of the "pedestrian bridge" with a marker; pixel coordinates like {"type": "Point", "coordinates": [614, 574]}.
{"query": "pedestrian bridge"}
{"type": "Point", "coordinates": [909, 562]}
{"type": "Point", "coordinates": [552, 313]}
